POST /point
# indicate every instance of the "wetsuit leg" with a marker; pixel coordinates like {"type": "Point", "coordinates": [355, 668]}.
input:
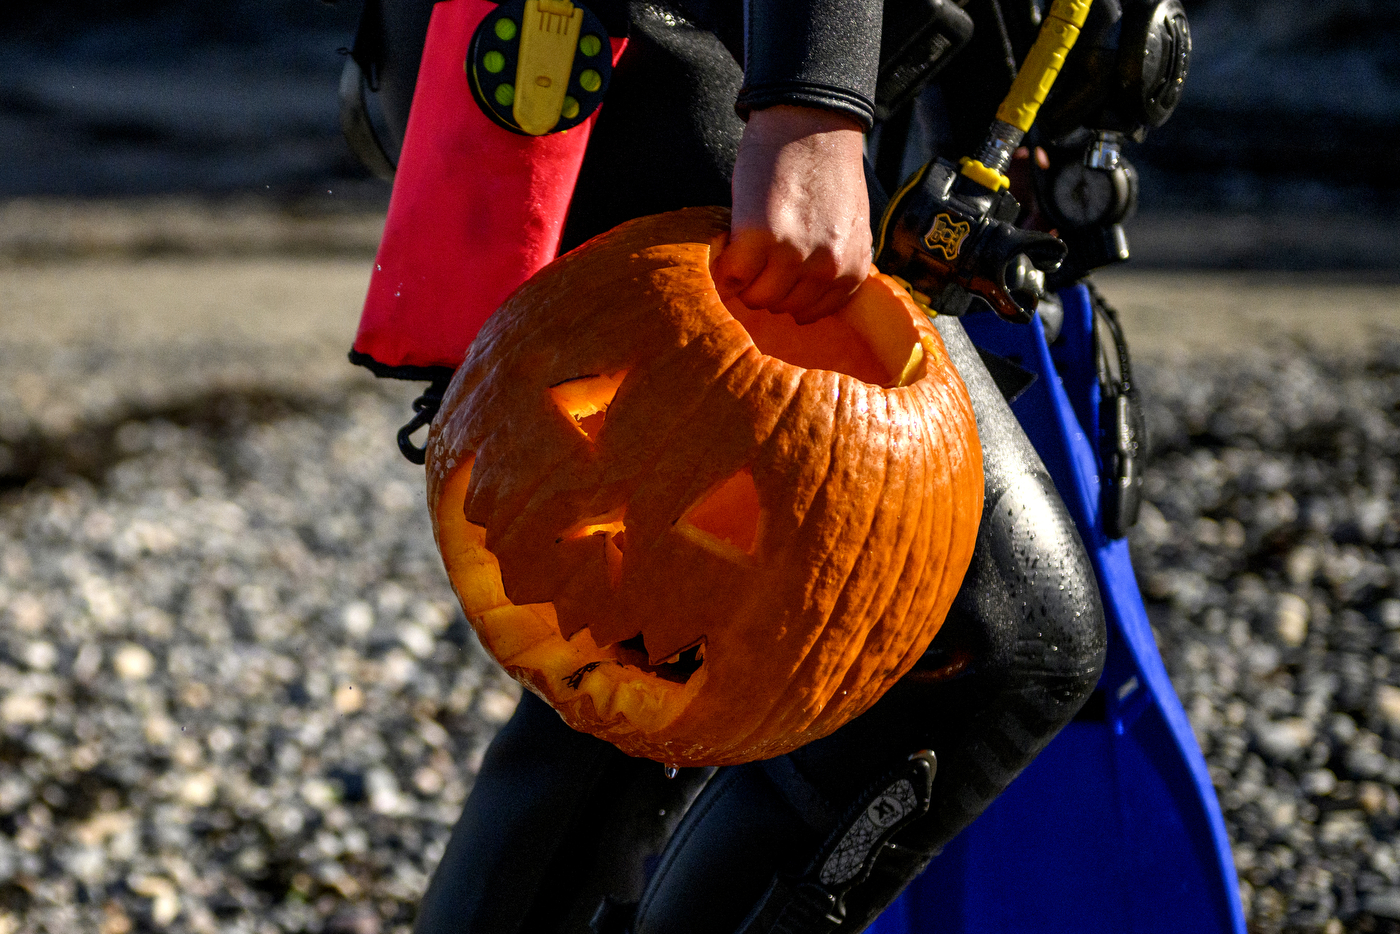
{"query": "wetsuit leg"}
{"type": "Point", "coordinates": [556, 821]}
{"type": "Point", "coordinates": [1020, 652]}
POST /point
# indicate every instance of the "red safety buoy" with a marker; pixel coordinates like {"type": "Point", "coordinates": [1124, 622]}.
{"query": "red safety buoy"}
{"type": "Point", "coordinates": [476, 208]}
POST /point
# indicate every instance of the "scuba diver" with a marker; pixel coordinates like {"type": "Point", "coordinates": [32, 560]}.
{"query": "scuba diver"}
{"type": "Point", "coordinates": [764, 105]}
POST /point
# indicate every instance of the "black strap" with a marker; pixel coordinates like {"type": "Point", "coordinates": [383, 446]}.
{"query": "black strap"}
{"type": "Point", "coordinates": [1122, 427]}
{"type": "Point", "coordinates": [367, 50]}
{"type": "Point", "coordinates": [355, 123]}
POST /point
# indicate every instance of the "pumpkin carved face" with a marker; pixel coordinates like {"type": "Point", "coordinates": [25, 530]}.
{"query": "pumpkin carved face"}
{"type": "Point", "coordinates": [703, 533]}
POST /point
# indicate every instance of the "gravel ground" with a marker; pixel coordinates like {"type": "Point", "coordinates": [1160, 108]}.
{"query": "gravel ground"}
{"type": "Point", "coordinates": [1269, 552]}
{"type": "Point", "coordinates": [235, 694]}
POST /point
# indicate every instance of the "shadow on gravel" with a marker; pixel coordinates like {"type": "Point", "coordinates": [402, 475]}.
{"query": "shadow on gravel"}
{"type": "Point", "coordinates": [90, 451]}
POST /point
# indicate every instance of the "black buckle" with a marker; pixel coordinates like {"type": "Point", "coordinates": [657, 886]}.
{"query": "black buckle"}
{"type": "Point", "coordinates": [814, 904]}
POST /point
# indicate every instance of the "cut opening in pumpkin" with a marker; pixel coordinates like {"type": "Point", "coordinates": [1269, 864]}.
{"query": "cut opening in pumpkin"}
{"type": "Point", "coordinates": [612, 527]}
{"type": "Point", "coordinates": [677, 669]}
{"type": "Point", "coordinates": [871, 339]}
{"type": "Point", "coordinates": [585, 399]}
{"type": "Point", "coordinates": [619, 678]}
{"type": "Point", "coordinates": [726, 521]}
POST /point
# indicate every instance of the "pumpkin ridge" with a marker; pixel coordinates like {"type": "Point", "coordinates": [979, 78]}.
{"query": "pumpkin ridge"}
{"type": "Point", "coordinates": [895, 566]}
{"type": "Point", "coordinates": [832, 414]}
{"type": "Point", "coordinates": [810, 663]}
{"type": "Point", "coordinates": [951, 452]}
{"type": "Point", "coordinates": [904, 593]}
{"type": "Point", "coordinates": [845, 606]}
{"type": "Point", "coordinates": [886, 472]}
{"type": "Point", "coordinates": [808, 377]}
{"type": "Point", "coordinates": [924, 546]}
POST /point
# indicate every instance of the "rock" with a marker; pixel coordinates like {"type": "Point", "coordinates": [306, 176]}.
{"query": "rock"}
{"type": "Point", "coordinates": [1291, 619]}
{"type": "Point", "coordinates": [1364, 757]}
{"type": "Point", "coordinates": [1388, 706]}
{"type": "Point", "coordinates": [496, 706]}
{"type": "Point", "coordinates": [1284, 740]}
{"type": "Point", "coordinates": [133, 663]}
{"type": "Point", "coordinates": [1389, 613]}
{"type": "Point", "coordinates": [358, 619]}
{"type": "Point", "coordinates": [349, 699]}
{"type": "Point", "coordinates": [1319, 783]}
{"type": "Point", "coordinates": [199, 789]}
{"type": "Point", "coordinates": [23, 709]}
{"type": "Point", "coordinates": [40, 655]}
{"type": "Point", "coordinates": [357, 920]}
{"type": "Point", "coordinates": [1384, 904]}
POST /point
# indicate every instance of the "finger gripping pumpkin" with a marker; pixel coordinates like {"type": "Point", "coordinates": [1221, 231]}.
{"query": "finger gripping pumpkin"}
{"type": "Point", "coordinates": [702, 532]}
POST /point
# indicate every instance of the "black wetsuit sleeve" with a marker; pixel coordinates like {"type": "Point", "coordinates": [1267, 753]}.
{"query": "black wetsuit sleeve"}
{"type": "Point", "coordinates": [811, 53]}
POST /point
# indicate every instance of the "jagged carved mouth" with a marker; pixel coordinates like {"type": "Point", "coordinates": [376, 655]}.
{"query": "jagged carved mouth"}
{"type": "Point", "coordinates": [678, 668]}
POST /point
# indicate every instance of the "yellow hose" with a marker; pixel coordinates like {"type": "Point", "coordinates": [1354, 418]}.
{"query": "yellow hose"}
{"type": "Point", "coordinates": [1041, 67]}
{"type": "Point", "coordinates": [1032, 85]}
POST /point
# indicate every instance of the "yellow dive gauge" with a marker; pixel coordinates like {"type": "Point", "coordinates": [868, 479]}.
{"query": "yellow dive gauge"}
{"type": "Point", "coordinates": [539, 66]}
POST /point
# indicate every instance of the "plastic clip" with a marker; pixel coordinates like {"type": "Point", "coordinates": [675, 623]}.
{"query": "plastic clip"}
{"type": "Point", "coordinates": [425, 409]}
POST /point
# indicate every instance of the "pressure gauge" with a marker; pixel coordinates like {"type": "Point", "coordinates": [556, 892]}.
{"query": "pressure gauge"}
{"type": "Point", "coordinates": [1092, 197]}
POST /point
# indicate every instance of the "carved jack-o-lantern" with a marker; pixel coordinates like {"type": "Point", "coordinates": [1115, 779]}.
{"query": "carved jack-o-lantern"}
{"type": "Point", "coordinates": [703, 533]}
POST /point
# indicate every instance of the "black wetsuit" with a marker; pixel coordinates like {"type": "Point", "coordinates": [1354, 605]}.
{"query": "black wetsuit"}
{"type": "Point", "coordinates": [559, 823]}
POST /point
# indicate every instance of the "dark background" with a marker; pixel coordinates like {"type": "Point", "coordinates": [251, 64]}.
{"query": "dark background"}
{"type": "Point", "coordinates": [1291, 118]}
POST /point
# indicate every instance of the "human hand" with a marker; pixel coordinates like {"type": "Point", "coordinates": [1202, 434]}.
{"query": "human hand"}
{"type": "Point", "coordinates": [799, 240]}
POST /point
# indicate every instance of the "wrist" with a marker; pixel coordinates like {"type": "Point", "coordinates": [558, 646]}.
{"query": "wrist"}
{"type": "Point", "coordinates": [786, 123]}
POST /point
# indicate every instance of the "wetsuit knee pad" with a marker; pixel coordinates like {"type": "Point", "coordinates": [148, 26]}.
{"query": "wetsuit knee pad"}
{"type": "Point", "coordinates": [1031, 594]}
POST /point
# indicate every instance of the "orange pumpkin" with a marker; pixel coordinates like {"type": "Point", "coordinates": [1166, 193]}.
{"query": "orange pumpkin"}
{"type": "Point", "coordinates": [702, 532]}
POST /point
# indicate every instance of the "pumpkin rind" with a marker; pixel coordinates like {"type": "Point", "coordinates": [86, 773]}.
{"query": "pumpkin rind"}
{"type": "Point", "coordinates": [594, 465]}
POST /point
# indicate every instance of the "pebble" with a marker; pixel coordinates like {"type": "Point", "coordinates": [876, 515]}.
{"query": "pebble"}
{"type": "Point", "coordinates": [1291, 619]}
{"type": "Point", "coordinates": [1284, 740]}
{"type": "Point", "coordinates": [1388, 705]}
{"type": "Point", "coordinates": [133, 663]}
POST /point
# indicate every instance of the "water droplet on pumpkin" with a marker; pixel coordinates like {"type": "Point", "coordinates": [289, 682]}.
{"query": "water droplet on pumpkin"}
{"type": "Point", "coordinates": [672, 771]}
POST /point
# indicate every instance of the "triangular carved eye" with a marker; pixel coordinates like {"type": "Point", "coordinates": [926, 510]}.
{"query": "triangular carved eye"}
{"type": "Point", "coordinates": [727, 520]}
{"type": "Point", "coordinates": [586, 400]}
